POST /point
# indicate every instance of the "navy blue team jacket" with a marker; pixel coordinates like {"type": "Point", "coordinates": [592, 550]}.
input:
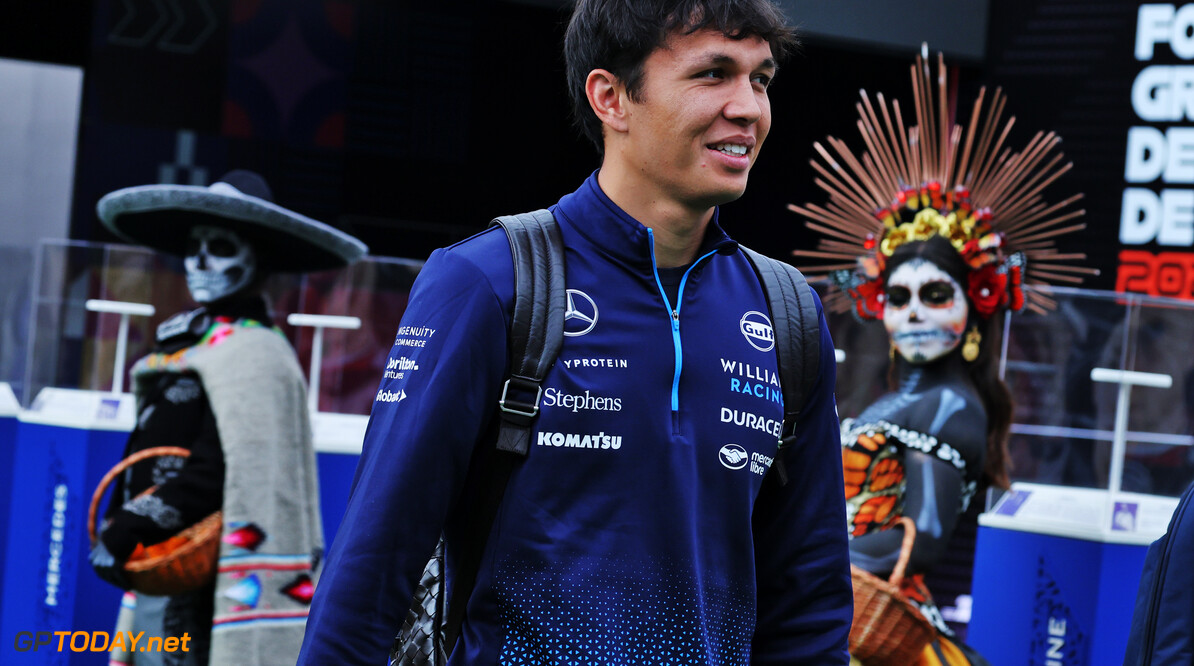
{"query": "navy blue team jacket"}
{"type": "Point", "coordinates": [1162, 632]}
{"type": "Point", "coordinates": [634, 532]}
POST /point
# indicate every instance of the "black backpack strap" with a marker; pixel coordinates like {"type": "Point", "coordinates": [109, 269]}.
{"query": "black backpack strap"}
{"type": "Point", "coordinates": [536, 335]}
{"type": "Point", "coordinates": [797, 332]}
{"type": "Point", "coordinates": [537, 328]}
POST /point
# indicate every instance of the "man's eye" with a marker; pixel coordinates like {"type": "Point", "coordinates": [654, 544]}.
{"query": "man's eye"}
{"type": "Point", "coordinates": [898, 297]}
{"type": "Point", "coordinates": [763, 80]}
{"type": "Point", "coordinates": [937, 294]}
{"type": "Point", "coordinates": [710, 74]}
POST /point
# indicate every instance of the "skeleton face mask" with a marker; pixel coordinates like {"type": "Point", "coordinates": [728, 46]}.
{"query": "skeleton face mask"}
{"type": "Point", "coordinates": [219, 263]}
{"type": "Point", "coordinates": [925, 313]}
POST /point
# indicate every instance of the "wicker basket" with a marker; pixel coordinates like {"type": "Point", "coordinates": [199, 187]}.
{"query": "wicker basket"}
{"type": "Point", "coordinates": [888, 630]}
{"type": "Point", "coordinates": [183, 563]}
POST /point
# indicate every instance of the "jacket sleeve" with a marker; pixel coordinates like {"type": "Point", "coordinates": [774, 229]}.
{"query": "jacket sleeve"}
{"type": "Point", "coordinates": [805, 599]}
{"type": "Point", "coordinates": [440, 386]}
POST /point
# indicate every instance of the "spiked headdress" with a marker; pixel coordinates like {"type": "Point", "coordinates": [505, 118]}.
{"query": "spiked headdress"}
{"type": "Point", "coordinates": [938, 178]}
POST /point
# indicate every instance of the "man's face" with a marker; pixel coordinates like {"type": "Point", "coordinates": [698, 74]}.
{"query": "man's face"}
{"type": "Point", "coordinates": [925, 313]}
{"type": "Point", "coordinates": [702, 117]}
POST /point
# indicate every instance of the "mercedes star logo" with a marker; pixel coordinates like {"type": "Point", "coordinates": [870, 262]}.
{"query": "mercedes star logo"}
{"type": "Point", "coordinates": [581, 315]}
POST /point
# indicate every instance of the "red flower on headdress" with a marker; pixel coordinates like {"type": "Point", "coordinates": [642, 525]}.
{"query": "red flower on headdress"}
{"type": "Point", "coordinates": [868, 299]}
{"type": "Point", "coordinates": [988, 289]}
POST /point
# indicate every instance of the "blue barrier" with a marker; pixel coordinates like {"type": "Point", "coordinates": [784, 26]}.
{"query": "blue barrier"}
{"type": "Point", "coordinates": [59, 451]}
{"type": "Point", "coordinates": [63, 446]}
{"type": "Point", "coordinates": [1056, 572]}
{"type": "Point", "coordinates": [338, 440]}
{"type": "Point", "coordinates": [9, 408]}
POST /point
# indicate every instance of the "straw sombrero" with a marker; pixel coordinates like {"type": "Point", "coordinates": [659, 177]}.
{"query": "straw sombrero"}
{"type": "Point", "coordinates": [161, 217]}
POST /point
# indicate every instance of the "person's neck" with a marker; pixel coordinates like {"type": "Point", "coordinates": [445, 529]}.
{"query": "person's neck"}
{"type": "Point", "coordinates": [678, 229]}
{"type": "Point", "coordinates": [250, 305]}
{"type": "Point", "coordinates": [913, 378]}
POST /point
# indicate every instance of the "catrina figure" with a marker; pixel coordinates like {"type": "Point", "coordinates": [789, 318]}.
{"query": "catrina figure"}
{"type": "Point", "coordinates": [934, 231]}
{"type": "Point", "coordinates": [223, 382]}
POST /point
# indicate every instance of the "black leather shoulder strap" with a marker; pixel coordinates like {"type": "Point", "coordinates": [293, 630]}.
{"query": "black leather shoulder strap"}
{"type": "Point", "coordinates": [797, 332]}
{"type": "Point", "coordinates": [537, 328]}
{"type": "Point", "coordinates": [536, 336]}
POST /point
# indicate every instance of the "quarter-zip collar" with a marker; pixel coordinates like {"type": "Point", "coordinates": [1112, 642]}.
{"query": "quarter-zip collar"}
{"type": "Point", "coordinates": [615, 233]}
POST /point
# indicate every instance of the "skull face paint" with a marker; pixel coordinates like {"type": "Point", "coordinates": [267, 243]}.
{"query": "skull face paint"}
{"type": "Point", "coordinates": [219, 263]}
{"type": "Point", "coordinates": [925, 312]}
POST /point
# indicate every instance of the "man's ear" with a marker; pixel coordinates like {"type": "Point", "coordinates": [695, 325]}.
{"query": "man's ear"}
{"type": "Point", "coordinates": [607, 96]}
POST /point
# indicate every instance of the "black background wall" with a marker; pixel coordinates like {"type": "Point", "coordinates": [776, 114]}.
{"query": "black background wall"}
{"type": "Point", "coordinates": [410, 124]}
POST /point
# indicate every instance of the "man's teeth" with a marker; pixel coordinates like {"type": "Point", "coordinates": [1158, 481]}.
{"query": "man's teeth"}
{"type": "Point", "coordinates": [731, 149]}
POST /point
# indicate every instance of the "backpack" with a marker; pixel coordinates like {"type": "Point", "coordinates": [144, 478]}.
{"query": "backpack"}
{"type": "Point", "coordinates": [536, 335]}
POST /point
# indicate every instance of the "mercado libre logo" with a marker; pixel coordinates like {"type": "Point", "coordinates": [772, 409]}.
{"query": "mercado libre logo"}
{"type": "Point", "coordinates": [733, 456]}
{"type": "Point", "coordinates": [1160, 155]}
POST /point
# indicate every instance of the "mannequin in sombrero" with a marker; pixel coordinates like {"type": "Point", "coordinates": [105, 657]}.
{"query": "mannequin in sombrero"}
{"type": "Point", "coordinates": [224, 383]}
{"type": "Point", "coordinates": [933, 231]}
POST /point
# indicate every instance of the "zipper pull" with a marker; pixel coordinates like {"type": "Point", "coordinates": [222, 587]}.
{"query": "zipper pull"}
{"type": "Point", "coordinates": [675, 320]}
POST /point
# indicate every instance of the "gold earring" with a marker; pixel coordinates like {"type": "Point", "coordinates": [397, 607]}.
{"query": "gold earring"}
{"type": "Point", "coordinates": [891, 352]}
{"type": "Point", "coordinates": [970, 347]}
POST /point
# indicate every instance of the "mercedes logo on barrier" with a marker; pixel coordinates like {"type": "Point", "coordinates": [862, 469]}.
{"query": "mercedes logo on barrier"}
{"type": "Point", "coordinates": [581, 315]}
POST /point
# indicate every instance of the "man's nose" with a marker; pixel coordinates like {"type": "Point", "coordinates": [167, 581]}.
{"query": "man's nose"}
{"type": "Point", "coordinates": [744, 105]}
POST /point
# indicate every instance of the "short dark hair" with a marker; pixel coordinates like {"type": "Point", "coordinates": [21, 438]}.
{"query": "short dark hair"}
{"type": "Point", "coordinates": [618, 35]}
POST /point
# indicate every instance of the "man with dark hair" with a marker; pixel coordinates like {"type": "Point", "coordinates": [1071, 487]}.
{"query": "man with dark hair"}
{"type": "Point", "coordinates": [619, 35]}
{"type": "Point", "coordinates": [640, 528]}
